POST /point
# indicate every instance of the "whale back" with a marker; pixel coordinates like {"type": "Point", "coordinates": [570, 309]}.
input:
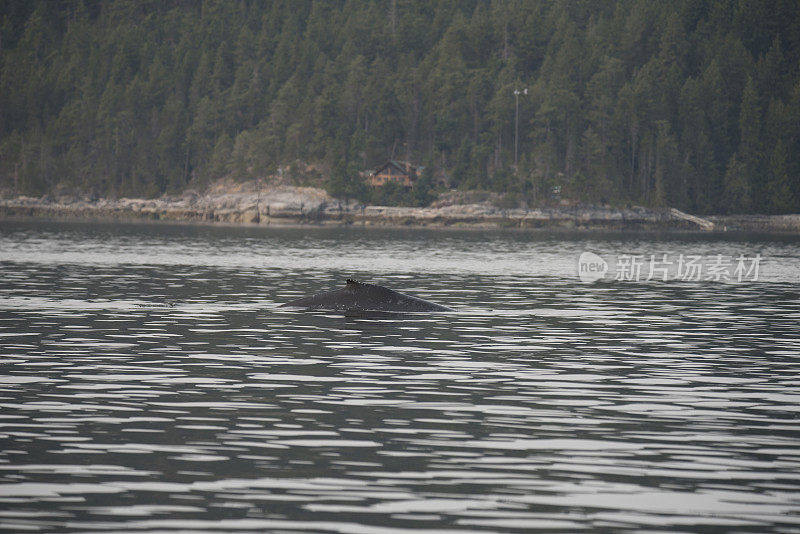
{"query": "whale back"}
{"type": "Point", "coordinates": [358, 296]}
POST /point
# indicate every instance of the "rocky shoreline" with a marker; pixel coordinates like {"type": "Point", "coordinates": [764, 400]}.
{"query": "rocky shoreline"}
{"type": "Point", "coordinates": [246, 204]}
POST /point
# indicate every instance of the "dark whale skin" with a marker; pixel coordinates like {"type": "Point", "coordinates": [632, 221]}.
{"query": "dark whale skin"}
{"type": "Point", "coordinates": [357, 296]}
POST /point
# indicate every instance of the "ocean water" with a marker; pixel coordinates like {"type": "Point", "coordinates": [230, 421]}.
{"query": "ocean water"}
{"type": "Point", "coordinates": [150, 382]}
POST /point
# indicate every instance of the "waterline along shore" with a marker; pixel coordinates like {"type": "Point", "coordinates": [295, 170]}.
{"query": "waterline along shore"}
{"type": "Point", "coordinates": [293, 205]}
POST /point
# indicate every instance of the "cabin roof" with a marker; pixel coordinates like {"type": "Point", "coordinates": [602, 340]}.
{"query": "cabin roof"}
{"type": "Point", "coordinates": [397, 165]}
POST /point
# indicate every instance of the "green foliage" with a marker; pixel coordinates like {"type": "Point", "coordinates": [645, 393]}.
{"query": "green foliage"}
{"type": "Point", "coordinates": [390, 194]}
{"type": "Point", "coordinates": [423, 188]}
{"type": "Point", "coordinates": [346, 182]}
{"type": "Point", "coordinates": [689, 104]}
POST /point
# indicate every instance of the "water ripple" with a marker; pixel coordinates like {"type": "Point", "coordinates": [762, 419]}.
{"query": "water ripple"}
{"type": "Point", "coordinates": [150, 382]}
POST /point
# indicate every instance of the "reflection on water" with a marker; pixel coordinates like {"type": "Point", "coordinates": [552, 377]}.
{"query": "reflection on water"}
{"type": "Point", "coordinates": [149, 382]}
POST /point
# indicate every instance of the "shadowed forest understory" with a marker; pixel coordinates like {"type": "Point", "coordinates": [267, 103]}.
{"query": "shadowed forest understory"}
{"type": "Point", "coordinates": [693, 104]}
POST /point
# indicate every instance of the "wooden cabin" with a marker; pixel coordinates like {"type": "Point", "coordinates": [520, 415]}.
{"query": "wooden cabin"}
{"type": "Point", "coordinates": [400, 172]}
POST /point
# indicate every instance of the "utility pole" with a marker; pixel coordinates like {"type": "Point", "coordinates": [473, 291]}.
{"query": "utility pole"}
{"type": "Point", "coordinates": [516, 123]}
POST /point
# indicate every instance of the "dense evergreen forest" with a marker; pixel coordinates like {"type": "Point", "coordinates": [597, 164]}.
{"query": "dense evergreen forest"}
{"type": "Point", "coordinates": [688, 103]}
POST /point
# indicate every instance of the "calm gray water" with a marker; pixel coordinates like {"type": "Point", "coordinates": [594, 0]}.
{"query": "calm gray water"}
{"type": "Point", "coordinates": [150, 383]}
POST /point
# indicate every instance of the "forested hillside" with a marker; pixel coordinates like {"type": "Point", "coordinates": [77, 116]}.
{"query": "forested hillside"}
{"type": "Point", "coordinates": [688, 103]}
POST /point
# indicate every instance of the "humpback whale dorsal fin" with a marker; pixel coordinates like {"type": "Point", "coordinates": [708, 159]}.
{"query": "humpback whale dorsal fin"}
{"type": "Point", "coordinates": [365, 297]}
